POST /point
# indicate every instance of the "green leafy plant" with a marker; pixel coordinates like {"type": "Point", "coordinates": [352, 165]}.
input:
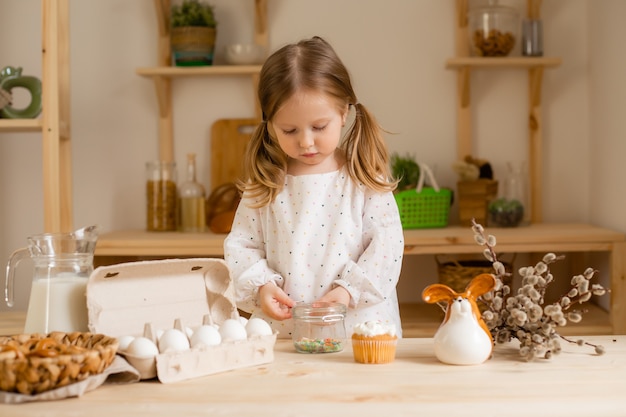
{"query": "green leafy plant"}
{"type": "Point", "coordinates": [406, 170]}
{"type": "Point", "coordinates": [524, 315]}
{"type": "Point", "coordinates": [193, 13]}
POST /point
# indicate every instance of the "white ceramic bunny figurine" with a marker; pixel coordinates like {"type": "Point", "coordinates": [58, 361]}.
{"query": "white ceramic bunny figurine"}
{"type": "Point", "coordinates": [463, 338]}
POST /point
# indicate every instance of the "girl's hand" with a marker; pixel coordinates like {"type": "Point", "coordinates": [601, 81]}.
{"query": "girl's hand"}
{"type": "Point", "coordinates": [274, 302]}
{"type": "Point", "coordinates": [337, 295]}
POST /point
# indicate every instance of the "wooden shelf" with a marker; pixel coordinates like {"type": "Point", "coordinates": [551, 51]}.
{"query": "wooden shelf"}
{"type": "Point", "coordinates": [503, 62]}
{"type": "Point", "coordinates": [463, 64]}
{"type": "Point", "coordinates": [154, 244]}
{"type": "Point", "coordinates": [211, 70]}
{"type": "Point", "coordinates": [20, 125]}
{"type": "Point", "coordinates": [542, 237]}
{"type": "Point", "coordinates": [120, 246]}
{"type": "Point", "coordinates": [54, 122]}
{"type": "Point", "coordinates": [535, 238]}
{"type": "Point", "coordinates": [163, 73]}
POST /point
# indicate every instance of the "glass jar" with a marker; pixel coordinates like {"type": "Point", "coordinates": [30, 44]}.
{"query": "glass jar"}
{"type": "Point", "coordinates": [510, 208]}
{"type": "Point", "coordinates": [532, 37]}
{"type": "Point", "coordinates": [319, 327]}
{"type": "Point", "coordinates": [493, 30]}
{"type": "Point", "coordinates": [161, 196]}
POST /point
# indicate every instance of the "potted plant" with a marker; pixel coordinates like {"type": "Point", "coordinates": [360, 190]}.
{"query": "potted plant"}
{"type": "Point", "coordinates": [192, 36]}
{"type": "Point", "coordinates": [406, 170]}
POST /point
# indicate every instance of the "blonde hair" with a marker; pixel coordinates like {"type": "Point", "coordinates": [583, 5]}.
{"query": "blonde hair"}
{"type": "Point", "coordinates": [311, 64]}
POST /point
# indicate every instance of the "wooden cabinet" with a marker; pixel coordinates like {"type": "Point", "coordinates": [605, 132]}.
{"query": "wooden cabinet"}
{"type": "Point", "coordinates": [539, 237]}
{"type": "Point", "coordinates": [418, 319]}
{"type": "Point", "coordinates": [54, 122]}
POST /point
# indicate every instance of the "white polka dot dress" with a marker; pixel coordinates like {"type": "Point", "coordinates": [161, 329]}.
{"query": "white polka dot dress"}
{"type": "Point", "coordinates": [322, 230]}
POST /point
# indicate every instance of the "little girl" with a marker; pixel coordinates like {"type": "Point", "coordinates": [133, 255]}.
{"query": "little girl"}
{"type": "Point", "coordinates": [318, 220]}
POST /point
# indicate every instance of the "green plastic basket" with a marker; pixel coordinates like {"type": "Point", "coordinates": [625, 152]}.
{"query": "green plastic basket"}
{"type": "Point", "coordinates": [424, 207]}
{"type": "Point", "coordinates": [427, 209]}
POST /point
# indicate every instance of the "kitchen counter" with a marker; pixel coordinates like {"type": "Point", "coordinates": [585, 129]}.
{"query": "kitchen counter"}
{"type": "Point", "coordinates": [575, 383]}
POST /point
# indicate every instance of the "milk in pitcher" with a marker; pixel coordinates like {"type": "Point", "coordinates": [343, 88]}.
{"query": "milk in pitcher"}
{"type": "Point", "coordinates": [58, 304]}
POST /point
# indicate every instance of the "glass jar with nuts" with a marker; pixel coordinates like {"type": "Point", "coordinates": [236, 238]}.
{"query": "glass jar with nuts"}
{"type": "Point", "coordinates": [493, 30]}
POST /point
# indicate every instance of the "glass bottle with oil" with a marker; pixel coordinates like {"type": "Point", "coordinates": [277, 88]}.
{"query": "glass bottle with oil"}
{"type": "Point", "coordinates": [192, 200]}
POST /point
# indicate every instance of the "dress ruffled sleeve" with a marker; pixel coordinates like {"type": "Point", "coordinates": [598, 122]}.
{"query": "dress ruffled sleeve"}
{"type": "Point", "coordinates": [374, 276]}
{"type": "Point", "coordinates": [244, 252]}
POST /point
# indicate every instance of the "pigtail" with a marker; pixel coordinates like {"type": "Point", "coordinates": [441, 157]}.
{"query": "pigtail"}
{"type": "Point", "coordinates": [264, 168]}
{"type": "Point", "coordinates": [366, 152]}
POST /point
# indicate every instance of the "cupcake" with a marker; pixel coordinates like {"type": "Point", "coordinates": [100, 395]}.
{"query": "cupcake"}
{"type": "Point", "coordinates": [374, 342]}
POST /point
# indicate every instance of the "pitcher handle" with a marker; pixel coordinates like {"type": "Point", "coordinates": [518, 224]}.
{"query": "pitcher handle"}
{"type": "Point", "coordinates": [9, 284]}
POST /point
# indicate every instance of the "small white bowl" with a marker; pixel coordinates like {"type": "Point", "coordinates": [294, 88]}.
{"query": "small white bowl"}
{"type": "Point", "coordinates": [244, 54]}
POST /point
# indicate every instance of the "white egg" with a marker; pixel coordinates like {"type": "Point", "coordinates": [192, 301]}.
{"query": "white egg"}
{"type": "Point", "coordinates": [173, 340]}
{"type": "Point", "coordinates": [142, 347]}
{"type": "Point", "coordinates": [258, 327]}
{"type": "Point", "coordinates": [123, 342]}
{"type": "Point", "coordinates": [206, 335]}
{"type": "Point", "coordinates": [233, 330]}
{"type": "Point", "coordinates": [243, 320]}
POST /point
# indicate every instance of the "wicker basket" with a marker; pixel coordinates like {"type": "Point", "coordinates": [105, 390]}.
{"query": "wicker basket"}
{"type": "Point", "coordinates": [457, 273]}
{"type": "Point", "coordinates": [34, 363]}
{"type": "Point", "coordinates": [424, 207]}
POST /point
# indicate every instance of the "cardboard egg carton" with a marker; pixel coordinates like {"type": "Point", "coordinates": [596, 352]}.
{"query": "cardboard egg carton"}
{"type": "Point", "coordinates": [123, 299]}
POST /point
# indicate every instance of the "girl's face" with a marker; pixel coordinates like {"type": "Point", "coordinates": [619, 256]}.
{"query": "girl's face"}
{"type": "Point", "coordinates": [308, 129]}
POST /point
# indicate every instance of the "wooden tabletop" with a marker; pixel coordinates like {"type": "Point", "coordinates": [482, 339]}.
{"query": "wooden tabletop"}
{"type": "Point", "coordinates": [574, 383]}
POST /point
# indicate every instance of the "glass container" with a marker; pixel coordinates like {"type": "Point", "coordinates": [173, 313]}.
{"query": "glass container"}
{"type": "Point", "coordinates": [161, 196]}
{"type": "Point", "coordinates": [493, 30]}
{"type": "Point", "coordinates": [510, 208]}
{"type": "Point", "coordinates": [319, 327]}
{"type": "Point", "coordinates": [62, 263]}
{"type": "Point", "coordinates": [532, 37]}
{"type": "Point", "coordinates": [192, 200]}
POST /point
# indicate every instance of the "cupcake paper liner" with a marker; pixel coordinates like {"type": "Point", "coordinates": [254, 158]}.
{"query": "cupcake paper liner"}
{"type": "Point", "coordinates": [374, 351]}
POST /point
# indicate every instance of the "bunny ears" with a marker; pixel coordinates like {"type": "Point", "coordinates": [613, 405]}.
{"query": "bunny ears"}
{"type": "Point", "coordinates": [478, 286]}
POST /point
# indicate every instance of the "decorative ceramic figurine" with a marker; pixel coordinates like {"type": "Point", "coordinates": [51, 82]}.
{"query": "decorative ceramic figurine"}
{"type": "Point", "coordinates": [463, 338]}
{"type": "Point", "coordinates": [11, 77]}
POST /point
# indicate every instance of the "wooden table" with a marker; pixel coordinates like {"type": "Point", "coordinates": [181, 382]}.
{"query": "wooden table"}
{"type": "Point", "coordinates": [574, 383]}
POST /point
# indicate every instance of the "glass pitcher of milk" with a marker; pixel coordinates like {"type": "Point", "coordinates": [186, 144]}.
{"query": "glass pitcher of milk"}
{"type": "Point", "coordinates": [63, 263]}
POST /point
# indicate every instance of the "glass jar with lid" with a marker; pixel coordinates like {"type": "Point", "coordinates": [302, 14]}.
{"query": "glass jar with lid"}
{"type": "Point", "coordinates": [319, 327]}
{"type": "Point", "coordinates": [493, 30]}
{"type": "Point", "coordinates": [510, 208]}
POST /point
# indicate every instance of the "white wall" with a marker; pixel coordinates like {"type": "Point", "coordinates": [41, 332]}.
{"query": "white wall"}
{"type": "Point", "coordinates": [395, 50]}
{"type": "Point", "coordinates": [607, 107]}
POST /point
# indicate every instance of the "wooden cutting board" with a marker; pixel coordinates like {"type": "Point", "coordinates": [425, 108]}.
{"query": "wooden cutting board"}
{"type": "Point", "coordinates": [229, 138]}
